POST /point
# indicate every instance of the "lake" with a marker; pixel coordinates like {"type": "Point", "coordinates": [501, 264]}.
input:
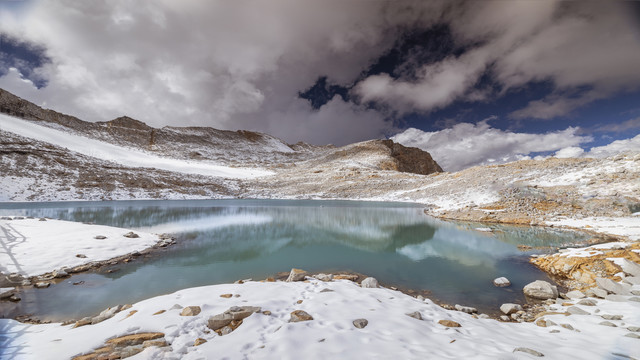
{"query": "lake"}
{"type": "Point", "coordinates": [221, 241]}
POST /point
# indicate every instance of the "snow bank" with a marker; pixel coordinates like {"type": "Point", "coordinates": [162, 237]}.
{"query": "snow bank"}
{"type": "Point", "coordinates": [32, 247]}
{"type": "Point", "coordinates": [334, 306]}
{"type": "Point", "coordinates": [119, 154]}
{"type": "Point", "coordinates": [622, 226]}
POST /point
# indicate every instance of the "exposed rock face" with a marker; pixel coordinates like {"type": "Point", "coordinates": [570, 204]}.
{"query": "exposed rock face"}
{"type": "Point", "coordinates": [541, 290]}
{"type": "Point", "coordinates": [411, 159]}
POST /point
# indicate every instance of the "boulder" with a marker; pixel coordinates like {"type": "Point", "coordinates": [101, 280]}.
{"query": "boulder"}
{"type": "Point", "coordinates": [466, 309]}
{"type": "Point", "coordinates": [6, 293]}
{"type": "Point", "coordinates": [509, 308]}
{"type": "Point", "coordinates": [300, 315]}
{"type": "Point", "coordinates": [131, 235]}
{"type": "Point", "coordinates": [608, 323]}
{"type": "Point", "coordinates": [360, 323]}
{"type": "Point", "coordinates": [449, 323]}
{"type": "Point", "coordinates": [596, 292]}
{"type": "Point", "coordinates": [219, 321]}
{"type": "Point", "coordinates": [190, 311]}
{"type": "Point", "coordinates": [540, 289]}
{"type": "Point", "coordinates": [611, 317]}
{"type": "Point", "coordinates": [415, 315]}
{"type": "Point", "coordinates": [106, 314]}
{"type": "Point", "coordinates": [612, 286]}
{"type": "Point", "coordinates": [587, 302]}
{"type": "Point", "coordinates": [632, 280]}
{"type": "Point", "coordinates": [629, 267]}
{"type": "Point", "coordinates": [574, 310]}
{"type": "Point", "coordinates": [575, 294]}
{"type": "Point", "coordinates": [42, 285]}
{"type": "Point", "coordinates": [324, 277]}
{"type": "Point", "coordinates": [296, 275]}
{"type": "Point", "coordinates": [369, 282]}
{"type": "Point", "coordinates": [501, 282]}
{"type": "Point", "coordinates": [134, 339]}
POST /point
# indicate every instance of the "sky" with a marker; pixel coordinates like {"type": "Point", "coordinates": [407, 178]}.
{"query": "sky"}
{"type": "Point", "coordinates": [472, 82]}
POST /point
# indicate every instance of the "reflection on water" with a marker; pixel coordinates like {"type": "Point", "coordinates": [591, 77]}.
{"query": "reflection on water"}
{"type": "Point", "coordinates": [225, 240]}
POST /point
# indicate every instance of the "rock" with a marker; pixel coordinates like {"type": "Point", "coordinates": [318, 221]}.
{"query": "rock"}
{"type": "Point", "coordinates": [529, 351]}
{"type": "Point", "coordinates": [612, 286]}
{"type": "Point", "coordinates": [466, 309]}
{"type": "Point", "coordinates": [420, 297]}
{"type": "Point", "coordinates": [632, 335]}
{"type": "Point", "coordinates": [608, 323]}
{"type": "Point", "coordinates": [369, 283]}
{"type": "Point", "coordinates": [551, 323]}
{"type": "Point", "coordinates": [157, 343]}
{"type": "Point", "coordinates": [131, 235]}
{"type": "Point", "coordinates": [632, 280]}
{"type": "Point", "coordinates": [540, 289]}
{"type": "Point", "coordinates": [587, 302]}
{"type": "Point", "coordinates": [129, 351]}
{"type": "Point", "coordinates": [42, 285]}
{"type": "Point", "coordinates": [509, 308]}
{"type": "Point", "coordinates": [629, 267]}
{"type": "Point", "coordinates": [296, 275]}
{"type": "Point", "coordinates": [541, 322]}
{"type": "Point", "coordinates": [59, 274]}
{"type": "Point", "coordinates": [635, 292]}
{"type": "Point", "coordinates": [567, 326]}
{"type": "Point", "coordinates": [349, 277]}
{"type": "Point", "coordinates": [617, 298]}
{"type": "Point", "coordinates": [190, 311]}
{"type": "Point", "coordinates": [596, 292]}
{"type": "Point", "coordinates": [415, 315]}
{"type": "Point", "coordinates": [199, 341]}
{"type": "Point", "coordinates": [159, 312]}
{"type": "Point", "coordinates": [554, 331]}
{"type": "Point", "coordinates": [449, 323]}
{"type": "Point", "coordinates": [300, 315]}
{"type": "Point", "coordinates": [611, 317]}
{"type": "Point", "coordinates": [82, 322]}
{"type": "Point", "coordinates": [106, 314]}
{"type": "Point", "coordinates": [226, 296]}
{"type": "Point", "coordinates": [81, 256]}
{"type": "Point", "coordinates": [360, 323]}
{"type": "Point", "coordinates": [575, 294]}
{"type": "Point", "coordinates": [501, 282]}
{"type": "Point", "coordinates": [7, 294]}
{"type": "Point", "coordinates": [99, 237]}
{"type": "Point", "coordinates": [634, 298]}
{"type": "Point", "coordinates": [218, 321]}
{"type": "Point", "coordinates": [484, 316]}
{"type": "Point", "coordinates": [225, 330]}
{"type": "Point", "coordinates": [504, 318]}
{"type": "Point", "coordinates": [134, 339]}
{"type": "Point", "coordinates": [634, 328]}
{"type": "Point", "coordinates": [324, 277]}
{"type": "Point", "coordinates": [326, 290]}
{"type": "Point", "coordinates": [574, 310]}
{"type": "Point", "coordinates": [409, 159]}
{"type": "Point", "coordinates": [42, 219]}
{"type": "Point", "coordinates": [266, 312]}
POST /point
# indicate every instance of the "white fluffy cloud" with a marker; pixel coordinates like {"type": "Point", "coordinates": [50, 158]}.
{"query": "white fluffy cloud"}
{"type": "Point", "coordinates": [587, 50]}
{"type": "Point", "coordinates": [616, 147]}
{"type": "Point", "coordinates": [466, 145]}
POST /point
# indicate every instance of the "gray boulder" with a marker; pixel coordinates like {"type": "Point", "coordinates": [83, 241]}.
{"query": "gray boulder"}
{"type": "Point", "coordinates": [575, 294]}
{"type": "Point", "coordinates": [509, 308]}
{"type": "Point", "coordinates": [415, 315]}
{"type": "Point", "coordinates": [574, 310]}
{"type": "Point", "coordinates": [234, 313]}
{"type": "Point", "coordinates": [296, 275]}
{"type": "Point", "coordinates": [300, 315]}
{"type": "Point", "coordinates": [466, 309]}
{"type": "Point", "coordinates": [360, 323]}
{"type": "Point", "coordinates": [540, 289]}
{"type": "Point", "coordinates": [596, 292]}
{"type": "Point", "coordinates": [630, 268]}
{"type": "Point", "coordinates": [612, 286]}
{"type": "Point", "coordinates": [369, 282]}
{"type": "Point", "coordinates": [501, 282]}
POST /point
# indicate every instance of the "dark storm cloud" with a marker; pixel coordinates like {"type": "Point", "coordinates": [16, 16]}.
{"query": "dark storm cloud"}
{"type": "Point", "coordinates": [242, 65]}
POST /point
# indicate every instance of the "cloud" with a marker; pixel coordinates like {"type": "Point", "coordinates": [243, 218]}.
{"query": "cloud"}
{"type": "Point", "coordinates": [616, 147]}
{"type": "Point", "coordinates": [466, 145]}
{"type": "Point", "coordinates": [586, 51]}
{"type": "Point", "coordinates": [631, 124]}
{"type": "Point", "coordinates": [569, 152]}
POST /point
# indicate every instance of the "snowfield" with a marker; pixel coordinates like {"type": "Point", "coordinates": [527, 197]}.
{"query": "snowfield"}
{"type": "Point", "coordinates": [31, 247]}
{"type": "Point", "coordinates": [121, 155]}
{"type": "Point", "coordinates": [334, 306]}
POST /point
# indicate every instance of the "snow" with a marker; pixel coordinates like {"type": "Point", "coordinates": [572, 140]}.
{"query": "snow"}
{"type": "Point", "coordinates": [31, 247]}
{"type": "Point", "coordinates": [622, 226]}
{"type": "Point", "coordinates": [122, 155]}
{"type": "Point", "coordinates": [389, 333]}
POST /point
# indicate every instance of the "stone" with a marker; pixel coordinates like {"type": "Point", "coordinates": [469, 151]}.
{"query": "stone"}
{"type": "Point", "coordinates": [157, 343]}
{"type": "Point", "coordinates": [554, 331]}
{"type": "Point", "coordinates": [449, 323]}
{"type": "Point", "coordinates": [504, 318]}
{"type": "Point", "coordinates": [7, 294]}
{"type": "Point", "coordinates": [420, 297]}
{"type": "Point", "coordinates": [266, 312]}
{"type": "Point", "coordinates": [42, 219]}
{"type": "Point", "coordinates": [300, 315]}
{"type": "Point", "coordinates": [617, 298]}
{"type": "Point", "coordinates": [225, 330]}
{"type": "Point", "coordinates": [632, 335]}
{"type": "Point", "coordinates": [632, 280]}
{"type": "Point", "coordinates": [612, 286]}
{"type": "Point", "coordinates": [596, 292]}
{"type": "Point", "coordinates": [540, 289]}
{"type": "Point", "coordinates": [551, 323]}
{"type": "Point", "coordinates": [42, 285]}
{"type": "Point", "coordinates": [82, 322]}
{"type": "Point", "coordinates": [129, 351]}
{"type": "Point", "coordinates": [629, 267]}
{"type": "Point", "coordinates": [131, 235]}
{"type": "Point", "coordinates": [541, 322]}
{"type": "Point", "coordinates": [567, 326]}
{"type": "Point", "coordinates": [190, 311]}
{"type": "Point", "coordinates": [529, 351]}
{"type": "Point", "coordinates": [218, 321]}
{"type": "Point", "coordinates": [99, 237]}
{"type": "Point", "coordinates": [61, 273]}
{"type": "Point", "coordinates": [608, 323]}
{"type": "Point", "coordinates": [634, 298]}
{"type": "Point", "coordinates": [587, 302]}
{"type": "Point", "coordinates": [324, 277]}
{"type": "Point", "coordinates": [199, 341]}
{"type": "Point", "coordinates": [509, 308]}
{"type": "Point", "coordinates": [466, 309]}
{"type": "Point", "coordinates": [159, 312]}
{"type": "Point", "coordinates": [134, 339]}
{"type": "Point", "coordinates": [326, 290]}
{"type": "Point", "coordinates": [415, 315]}
{"type": "Point", "coordinates": [81, 256]}
{"type": "Point", "coordinates": [349, 277]}
{"type": "Point", "coordinates": [484, 316]}
{"type": "Point", "coordinates": [611, 317]}
{"type": "Point", "coordinates": [574, 310]}
{"type": "Point", "coordinates": [635, 292]}
{"type": "Point", "coordinates": [369, 283]}
{"type": "Point", "coordinates": [501, 282]}
{"type": "Point", "coordinates": [106, 314]}
{"type": "Point", "coordinates": [296, 275]}
{"type": "Point", "coordinates": [360, 323]}
{"type": "Point", "coordinates": [575, 294]}
{"type": "Point", "coordinates": [226, 296]}
{"type": "Point", "coordinates": [634, 328]}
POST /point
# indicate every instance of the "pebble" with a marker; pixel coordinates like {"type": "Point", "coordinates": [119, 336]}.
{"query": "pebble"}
{"type": "Point", "coordinates": [99, 237]}
{"type": "Point", "coordinates": [415, 315]}
{"type": "Point", "coordinates": [360, 323]}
